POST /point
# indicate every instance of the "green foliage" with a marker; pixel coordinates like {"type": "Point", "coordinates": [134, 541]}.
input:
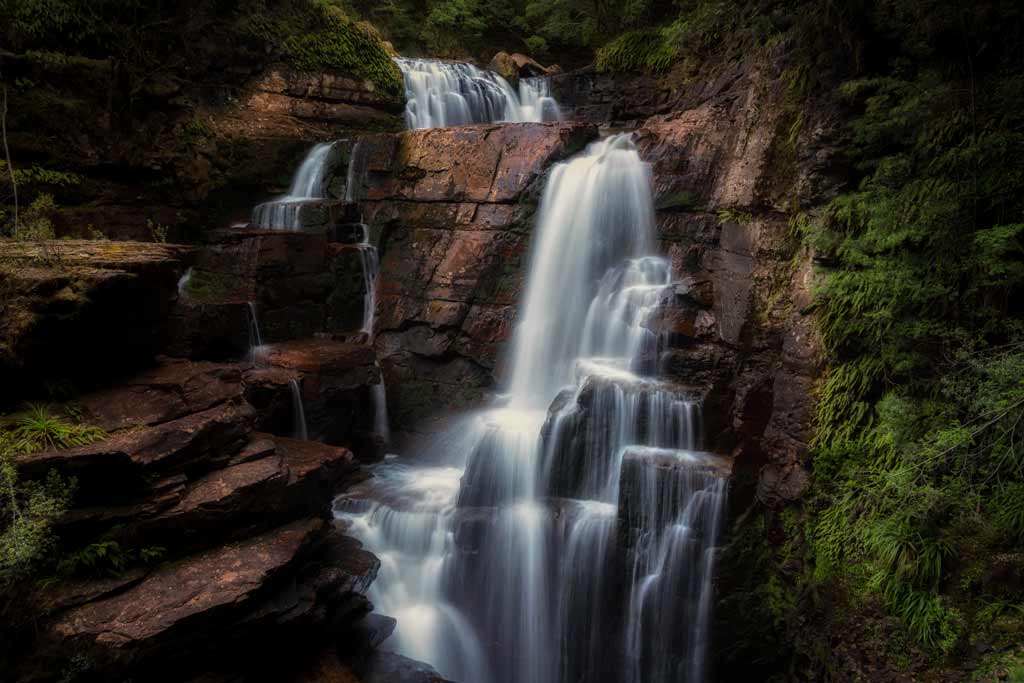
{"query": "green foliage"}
{"type": "Point", "coordinates": [36, 221]}
{"type": "Point", "coordinates": [316, 35]}
{"type": "Point", "coordinates": [197, 128]}
{"type": "Point", "coordinates": [38, 428]}
{"type": "Point", "coordinates": [35, 178]}
{"type": "Point", "coordinates": [28, 509]}
{"type": "Point", "coordinates": [106, 557]}
{"type": "Point", "coordinates": [157, 231]}
{"type": "Point", "coordinates": [646, 50]}
{"type": "Point", "coordinates": [918, 460]}
{"type": "Point", "coordinates": [547, 29]}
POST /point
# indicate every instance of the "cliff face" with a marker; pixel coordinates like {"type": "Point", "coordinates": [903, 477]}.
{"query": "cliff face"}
{"type": "Point", "coordinates": [452, 210]}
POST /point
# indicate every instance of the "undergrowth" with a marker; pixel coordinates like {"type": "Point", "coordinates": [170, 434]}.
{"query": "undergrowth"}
{"type": "Point", "coordinates": [918, 453]}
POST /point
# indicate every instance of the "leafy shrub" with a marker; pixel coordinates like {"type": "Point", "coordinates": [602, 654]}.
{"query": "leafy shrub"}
{"type": "Point", "coordinates": [28, 509]}
{"type": "Point", "coordinates": [106, 557]}
{"type": "Point", "coordinates": [36, 221]}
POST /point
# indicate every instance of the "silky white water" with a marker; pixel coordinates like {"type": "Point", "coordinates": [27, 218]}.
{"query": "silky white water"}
{"type": "Point", "coordinates": [440, 94]}
{"type": "Point", "coordinates": [565, 533]}
{"type": "Point", "coordinates": [284, 213]}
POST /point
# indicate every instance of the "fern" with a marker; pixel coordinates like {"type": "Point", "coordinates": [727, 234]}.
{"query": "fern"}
{"type": "Point", "coordinates": [38, 428]}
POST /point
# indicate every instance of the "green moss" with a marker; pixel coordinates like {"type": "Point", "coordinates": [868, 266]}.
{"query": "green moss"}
{"type": "Point", "coordinates": [319, 36]}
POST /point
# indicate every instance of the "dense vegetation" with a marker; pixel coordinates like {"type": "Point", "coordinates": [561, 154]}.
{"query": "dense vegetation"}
{"type": "Point", "coordinates": [565, 31]}
{"type": "Point", "coordinates": [919, 451]}
{"type": "Point", "coordinates": [150, 38]}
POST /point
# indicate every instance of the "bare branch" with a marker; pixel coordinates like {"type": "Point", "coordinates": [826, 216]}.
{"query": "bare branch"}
{"type": "Point", "coordinates": [7, 153]}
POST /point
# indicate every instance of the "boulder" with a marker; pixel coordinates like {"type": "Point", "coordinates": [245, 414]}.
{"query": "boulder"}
{"type": "Point", "coordinates": [514, 66]}
{"type": "Point", "coordinates": [503, 65]}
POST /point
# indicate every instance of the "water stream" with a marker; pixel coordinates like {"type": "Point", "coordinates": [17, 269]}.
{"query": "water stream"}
{"type": "Point", "coordinates": [565, 533]}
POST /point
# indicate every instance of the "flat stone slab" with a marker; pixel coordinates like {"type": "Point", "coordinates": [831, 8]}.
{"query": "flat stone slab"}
{"type": "Point", "coordinates": [173, 389]}
{"type": "Point", "coordinates": [186, 598]}
{"type": "Point", "coordinates": [320, 356]}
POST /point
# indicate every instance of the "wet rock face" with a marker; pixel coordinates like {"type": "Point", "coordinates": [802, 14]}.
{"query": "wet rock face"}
{"type": "Point", "coordinates": [585, 95]}
{"type": "Point", "coordinates": [721, 180]}
{"type": "Point", "coordinates": [301, 284]}
{"type": "Point", "coordinates": [453, 209]}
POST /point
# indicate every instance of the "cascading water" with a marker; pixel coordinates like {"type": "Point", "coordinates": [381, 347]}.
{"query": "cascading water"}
{"type": "Point", "coordinates": [440, 94]}
{"type": "Point", "coordinates": [570, 543]}
{"type": "Point", "coordinates": [536, 102]}
{"type": "Point", "coordinates": [307, 185]}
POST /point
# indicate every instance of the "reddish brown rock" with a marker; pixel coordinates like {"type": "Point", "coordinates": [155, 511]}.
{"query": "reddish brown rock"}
{"type": "Point", "coordinates": [453, 208]}
{"type": "Point", "coordinates": [189, 600]}
{"type": "Point", "coordinates": [485, 163]}
{"type": "Point", "coordinates": [172, 390]}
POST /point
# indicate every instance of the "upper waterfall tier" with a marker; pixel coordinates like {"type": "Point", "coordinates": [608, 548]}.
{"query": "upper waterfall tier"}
{"type": "Point", "coordinates": [440, 94]}
{"type": "Point", "coordinates": [596, 225]}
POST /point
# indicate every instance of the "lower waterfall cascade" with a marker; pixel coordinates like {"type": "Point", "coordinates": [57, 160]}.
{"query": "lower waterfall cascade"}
{"type": "Point", "coordinates": [440, 93]}
{"type": "Point", "coordinates": [566, 532]}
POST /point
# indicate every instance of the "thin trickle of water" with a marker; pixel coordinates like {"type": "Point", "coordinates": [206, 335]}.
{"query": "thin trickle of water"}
{"type": "Point", "coordinates": [440, 94]}
{"type": "Point", "coordinates": [183, 282]}
{"type": "Point", "coordinates": [307, 185]}
{"type": "Point", "coordinates": [298, 412]}
{"type": "Point", "coordinates": [255, 341]}
{"type": "Point", "coordinates": [355, 173]}
{"type": "Point", "coordinates": [371, 265]}
{"type": "Point", "coordinates": [585, 460]}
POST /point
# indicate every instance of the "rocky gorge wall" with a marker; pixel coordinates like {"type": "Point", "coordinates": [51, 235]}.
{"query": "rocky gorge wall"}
{"type": "Point", "coordinates": [199, 431]}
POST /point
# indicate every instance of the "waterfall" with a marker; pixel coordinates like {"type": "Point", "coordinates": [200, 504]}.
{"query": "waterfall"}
{"type": "Point", "coordinates": [440, 94]}
{"type": "Point", "coordinates": [566, 533]}
{"type": "Point", "coordinates": [285, 212]}
{"type": "Point", "coordinates": [298, 412]}
{"type": "Point", "coordinates": [355, 173]}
